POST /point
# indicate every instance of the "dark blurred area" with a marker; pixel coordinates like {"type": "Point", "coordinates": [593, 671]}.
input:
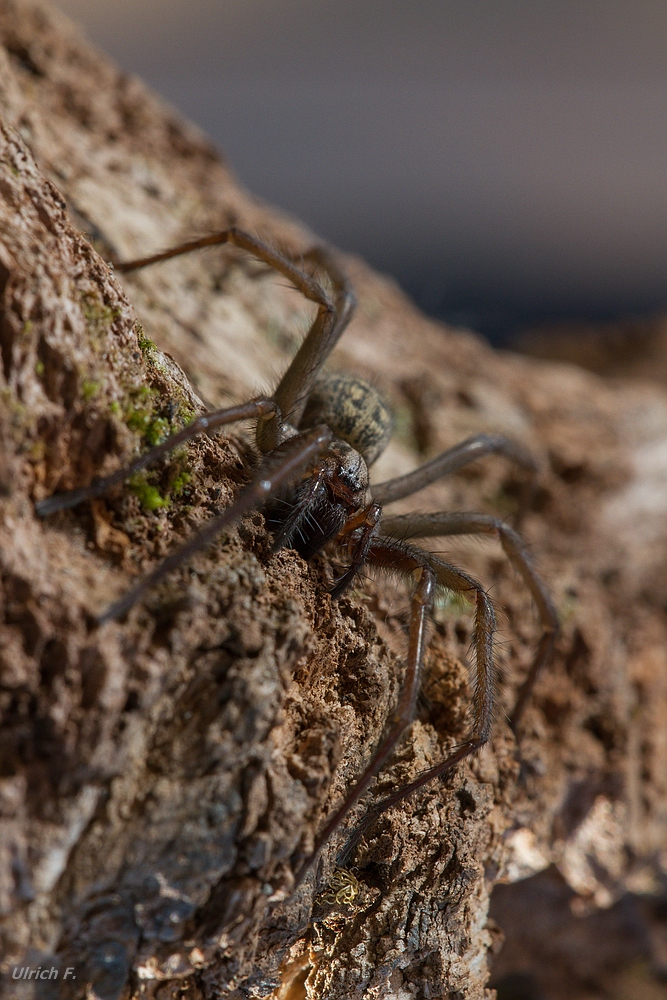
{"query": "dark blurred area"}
{"type": "Point", "coordinates": [505, 162]}
{"type": "Point", "coordinates": [553, 952]}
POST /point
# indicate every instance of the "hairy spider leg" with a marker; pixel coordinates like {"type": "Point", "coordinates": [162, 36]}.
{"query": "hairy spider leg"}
{"type": "Point", "coordinates": [297, 382]}
{"type": "Point", "coordinates": [330, 322]}
{"type": "Point", "coordinates": [451, 460]}
{"type": "Point", "coordinates": [282, 466]}
{"type": "Point", "coordinates": [406, 561]}
{"type": "Point", "coordinates": [388, 553]}
{"type": "Point", "coordinates": [462, 523]}
{"type": "Point", "coordinates": [204, 424]}
{"type": "Point", "coordinates": [284, 537]}
{"type": "Point", "coordinates": [451, 578]}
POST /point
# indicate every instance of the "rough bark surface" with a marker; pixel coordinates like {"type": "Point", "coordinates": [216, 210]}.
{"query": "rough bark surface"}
{"type": "Point", "coordinates": [159, 777]}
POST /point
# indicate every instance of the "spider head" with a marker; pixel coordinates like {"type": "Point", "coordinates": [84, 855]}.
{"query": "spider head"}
{"type": "Point", "coordinates": [346, 474]}
{"type": "Point", "coordinates": [310, 516]}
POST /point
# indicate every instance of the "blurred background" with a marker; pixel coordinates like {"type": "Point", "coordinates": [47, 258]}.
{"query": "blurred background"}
{"type": "Point", "coordinates": [506, 162]}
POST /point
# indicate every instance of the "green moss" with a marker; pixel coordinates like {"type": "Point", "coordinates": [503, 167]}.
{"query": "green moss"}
{"type": "Point", "coordinates": [89, 389]}
{"type": "Point", "coordinates": [158, 431]}
{"type": "Point", "coordinates": [138, 419]}
{"type": "Point", "coordinates": [185, 413]}
{"type": "Point", "coordinates": [115, 407]}
{"type": "Point", "coordinates": [148, 495]}
{"type": "Point", "coordinates": [139, 415]}
{"type": "Point", "coordinates": [39, 368]}
{"type": "Point", "coordinates": [97, 313]}
{"type": "Point", "coordinates": [154, 430]}
{"type": "Point", "coordinates": [180, 482]}
{"type": "Point", "coordinates": [145, 344]}
{"type": "Point", "coordinates": [144, 392]}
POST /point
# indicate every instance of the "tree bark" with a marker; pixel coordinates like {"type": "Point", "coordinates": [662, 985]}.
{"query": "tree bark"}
{"type": "Point", "coordinates": [160, 776]}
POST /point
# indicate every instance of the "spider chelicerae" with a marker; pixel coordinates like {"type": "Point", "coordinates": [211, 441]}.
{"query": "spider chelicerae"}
{"type": "Point", "coordinates": [317, 436]}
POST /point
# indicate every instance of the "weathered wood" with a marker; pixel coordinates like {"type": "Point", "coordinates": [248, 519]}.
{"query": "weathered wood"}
{"type": "Point", "coordinates": [157, 776]}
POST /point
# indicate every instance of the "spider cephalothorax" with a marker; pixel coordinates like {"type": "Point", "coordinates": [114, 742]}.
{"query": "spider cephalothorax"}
{"type": "Point", "coordinates": [317, 436]}
{"type": "Point", "coordinates": [313, 514]}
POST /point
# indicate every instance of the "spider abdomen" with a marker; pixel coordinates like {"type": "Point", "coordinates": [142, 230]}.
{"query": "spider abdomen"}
{"type": "Point", "coordinates": [354, 410]}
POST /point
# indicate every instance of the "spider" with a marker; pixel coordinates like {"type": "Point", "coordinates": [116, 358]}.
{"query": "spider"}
{"type": "Point", "coordinates": [318, 435]}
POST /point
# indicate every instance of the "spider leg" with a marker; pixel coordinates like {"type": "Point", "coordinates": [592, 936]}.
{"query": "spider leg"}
{"type": "Point", "coordinates": [441, 524]}
{"type": "Point", "coordinates": [395, 555]}
{"type": "Point", "coordinates": [483, 696]}
{"type": "Point", "coordinates": [365, 522]}
{"type": "Point", "coordinates": [451, 460]}
{"type": "Point", "coordinates": [297, 382]}
{"type": "Point", "coordinates": [283, 465]}
{"type": "Point", "coordinates": [286, 535]}
{"type": "Point", "coordinates": [332, 317]}
{"type": "Point", "coordinates": [407, 560]}
{"type": "Point", "coordinates": [202, 425]}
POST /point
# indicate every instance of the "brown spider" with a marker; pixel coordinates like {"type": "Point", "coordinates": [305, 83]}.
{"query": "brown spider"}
{"type": "Point", "coordinates": [319, 434]}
